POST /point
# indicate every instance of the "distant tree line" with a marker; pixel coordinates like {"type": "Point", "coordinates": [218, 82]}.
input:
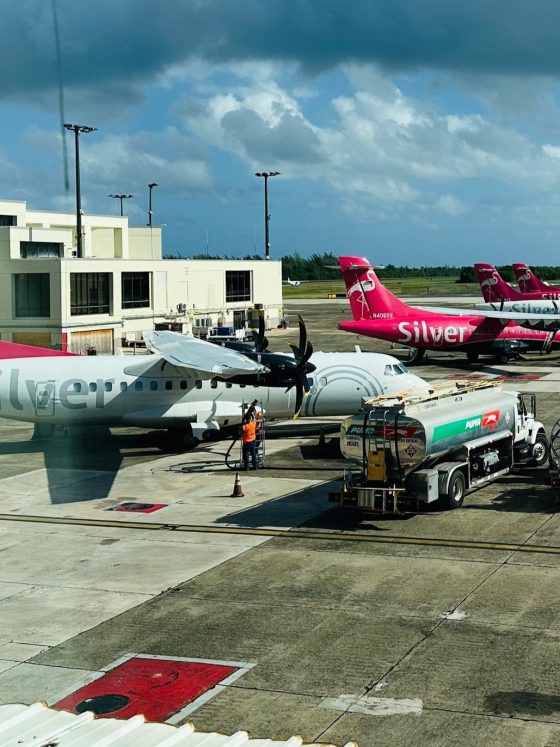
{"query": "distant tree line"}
{"type": "Point", "coordinates": [325, 267]}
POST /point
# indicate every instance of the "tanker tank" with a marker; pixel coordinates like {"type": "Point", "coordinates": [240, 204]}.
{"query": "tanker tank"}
{"type": "Point", "coordinates": [428, 425]}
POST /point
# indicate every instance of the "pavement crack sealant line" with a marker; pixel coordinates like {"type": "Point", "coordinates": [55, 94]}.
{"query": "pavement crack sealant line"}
{"type": "Point", "coordinates": [308, 534]}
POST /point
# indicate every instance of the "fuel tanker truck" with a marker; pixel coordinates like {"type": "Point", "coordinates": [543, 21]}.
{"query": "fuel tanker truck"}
{"type": "Point", "coordinates": [417, 447]}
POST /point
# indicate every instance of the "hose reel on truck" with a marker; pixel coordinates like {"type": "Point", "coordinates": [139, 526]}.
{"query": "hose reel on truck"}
{"type": "Point", "coordinates": [421, 446]}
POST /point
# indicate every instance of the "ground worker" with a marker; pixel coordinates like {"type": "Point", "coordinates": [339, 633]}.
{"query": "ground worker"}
{"type": "Point", "coordinates": [248, 436]}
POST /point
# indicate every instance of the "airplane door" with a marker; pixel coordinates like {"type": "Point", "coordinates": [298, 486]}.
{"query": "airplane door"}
{"type": "Point", "coordinates": [44, 398]}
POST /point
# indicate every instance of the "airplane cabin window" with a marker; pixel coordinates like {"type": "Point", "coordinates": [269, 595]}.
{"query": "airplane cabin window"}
{"type": "Point", "coordinates": [108, 386]}
{"type": "Point", "coordinates": [214, 384]}
{"type": "Point", "coordinates": [228, 384]}
{"type": "Point", "coordinates": [138, 386]}
{"type": "Point", "coordinates": [169, 385]}
{"type": "Point", "coordinates": [183, 383]}
{"type": "Point", "coordinates": [153, 385]}
{"type": "Point", "coordinates": [198, 384]}
{"type": "Point", "coordinates": [92, 386]}
{"type": "Point", "coordinates": [123, 386]}
{"type": "Point", "coordinates": [77, 386]}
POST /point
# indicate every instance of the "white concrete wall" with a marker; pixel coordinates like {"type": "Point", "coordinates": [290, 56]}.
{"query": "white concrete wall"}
{"type": "Point", "coordinates": [111, 246]}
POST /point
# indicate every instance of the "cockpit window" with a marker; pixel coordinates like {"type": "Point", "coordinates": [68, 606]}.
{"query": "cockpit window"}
{"type": "Point", "coordinates": [388, 370]}
{"type": "Point", "coordinates": [398, 369]}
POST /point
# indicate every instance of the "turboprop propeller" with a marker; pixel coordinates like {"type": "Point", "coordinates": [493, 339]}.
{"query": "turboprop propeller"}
{"type": "Point", "coordinates": [283, 370]}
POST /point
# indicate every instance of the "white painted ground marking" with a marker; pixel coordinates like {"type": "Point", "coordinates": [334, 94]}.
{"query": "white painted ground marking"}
{"type": "Point", "coordinates": [381, 685]}
{"type": "Point", "coordinates": [454, 615]}
{"type": "Point", "coordinates": [373, 706]}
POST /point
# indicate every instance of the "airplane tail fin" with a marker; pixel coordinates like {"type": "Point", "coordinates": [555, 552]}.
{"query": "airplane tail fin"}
{"type": "Point", "coordinates": [17, 350]}
{"type": "Point", "coordinates": [493, 286]}
{"type": "Point", "coordinates": [526, 279]}
{"type": "Point", "coordinates": [369, 299]}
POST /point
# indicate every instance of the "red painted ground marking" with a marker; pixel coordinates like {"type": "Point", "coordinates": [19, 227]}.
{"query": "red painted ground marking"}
{"type": "Point", "coordinates": [521, 376]}
{"type": "Point", "coordinates": [139, 508]}
{"type": "Point", "coordinates": [158, 688]}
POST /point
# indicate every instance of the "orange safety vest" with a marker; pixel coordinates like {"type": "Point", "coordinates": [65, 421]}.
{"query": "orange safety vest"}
{"type": "Point", "coordinates": [249, 432]}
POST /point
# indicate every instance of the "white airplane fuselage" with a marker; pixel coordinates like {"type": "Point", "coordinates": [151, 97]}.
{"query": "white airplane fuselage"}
{"type": "Point", "coordinates": [146, 392]}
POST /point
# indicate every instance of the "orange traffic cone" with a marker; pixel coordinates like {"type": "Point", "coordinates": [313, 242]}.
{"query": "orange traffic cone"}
{"type": "Point", "coordinates": [237, 492]}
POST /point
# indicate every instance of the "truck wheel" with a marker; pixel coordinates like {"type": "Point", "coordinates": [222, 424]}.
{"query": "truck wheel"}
{"type": "Point", "coordinates": [503, 358]}
{"type": "Point", "coordinates": [540, 451]}
{"type": "Point", "coordinates": [472, 356]}
{"type": "Point", "coordinates": [455, 491]}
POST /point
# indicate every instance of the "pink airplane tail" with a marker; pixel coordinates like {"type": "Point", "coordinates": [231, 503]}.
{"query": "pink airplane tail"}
{"type": "Point", "coordinates": [493, 286]}
{"type": "Point", "coordinates": [369, 299]}
{"type": "Point", "coordinates": [527, 280]}
{"type": "Point", "coordinates": [17, 350]}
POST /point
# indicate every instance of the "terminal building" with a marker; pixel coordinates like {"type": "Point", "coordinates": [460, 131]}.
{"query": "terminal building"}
{"type": "Point", "coordinates": [120, 286]}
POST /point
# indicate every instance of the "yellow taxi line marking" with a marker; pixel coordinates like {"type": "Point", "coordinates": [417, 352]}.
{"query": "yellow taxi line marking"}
{"type": "Point", "coordinates": [286, 533]}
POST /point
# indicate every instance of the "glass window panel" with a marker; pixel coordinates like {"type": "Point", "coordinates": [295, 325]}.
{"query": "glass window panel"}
{"type": "Point", "coordinates": [135, 288]}
{"type": "Point", "coordinates": [89, 293]}
{"type": "Point", "coordinates": [238, 285]}
{"type": "Point", "coordinates": [32, 294]}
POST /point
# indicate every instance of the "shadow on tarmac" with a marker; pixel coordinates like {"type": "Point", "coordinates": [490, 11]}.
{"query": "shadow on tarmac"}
{"type": "Point", "coordinates": [94, 449]}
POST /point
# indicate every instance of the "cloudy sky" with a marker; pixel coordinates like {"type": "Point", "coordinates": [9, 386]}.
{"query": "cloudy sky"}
{"type": "Point", "coordinates": [411, 131]}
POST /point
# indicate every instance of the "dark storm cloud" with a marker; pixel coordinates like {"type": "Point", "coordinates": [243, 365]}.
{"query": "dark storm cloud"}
{"type": "Point", "coordinates": [291, 140]}
{"type": "Point", "coordinates": [132, 40]}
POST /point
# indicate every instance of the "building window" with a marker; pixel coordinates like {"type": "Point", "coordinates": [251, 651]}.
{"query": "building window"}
{"type": "Point", "coordinates": [39, 250]}
{"type": "Point", "coordinates": [32, 294]}
{"type": "Point", "coordinates": [8, 220]}
{"type": "Point", "coordinates": [135, 290]}
{"type": "Point", "coordinates": [238, 285]}
{"type": "Point", "coordinates": [89, 293]}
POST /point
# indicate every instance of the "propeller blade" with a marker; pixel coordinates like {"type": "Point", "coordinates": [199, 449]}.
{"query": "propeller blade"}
{"type": "Point", "coordinates": [302, 339]}
{"type": "Point", "coordinates": [262, 339]}
{"type": "Point", "coordinates": [307, 355]}
{"type": "Point", "coordinates": [299, 397]}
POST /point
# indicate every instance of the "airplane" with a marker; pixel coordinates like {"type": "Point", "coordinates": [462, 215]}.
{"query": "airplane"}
{"type": "Point", "coordinates": [294, 283]}
{"type": "Point", "coordinates": [379, 313]}
{"type": "Point", "coordinates": [194, 389]}
{"type": "Point", "coordinates": [494, 288]}
{"type": "Point", "coordinates": [529, 283]}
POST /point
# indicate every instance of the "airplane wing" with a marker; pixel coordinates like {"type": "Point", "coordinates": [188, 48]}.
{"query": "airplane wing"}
{"type": "Point", "coordinates": [503, 315]}
{"type": "Point", "coordinates": [203, 360]}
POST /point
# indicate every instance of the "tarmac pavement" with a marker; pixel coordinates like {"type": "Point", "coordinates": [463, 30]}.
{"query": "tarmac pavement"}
{"type": "Point", "coordinates": [437, 629]}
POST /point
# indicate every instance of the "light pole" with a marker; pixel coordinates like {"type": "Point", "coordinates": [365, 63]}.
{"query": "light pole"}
{"type": "Point", "coordinates": [121, 198]}
{"type": "Point", "coordinates": [76, 129]}
{"type": "Point", "coordinates": [150, 187]}
{"type": "Point", "coordinates": [266, 175]}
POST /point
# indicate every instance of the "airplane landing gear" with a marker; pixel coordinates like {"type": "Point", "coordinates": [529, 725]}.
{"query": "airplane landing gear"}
{"type": "Point", "coordinates": [42, 431]}
{"type": "Point", "coordinates": [416, 355]}
{"type": "Point", "coordinates": [187, 441]}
